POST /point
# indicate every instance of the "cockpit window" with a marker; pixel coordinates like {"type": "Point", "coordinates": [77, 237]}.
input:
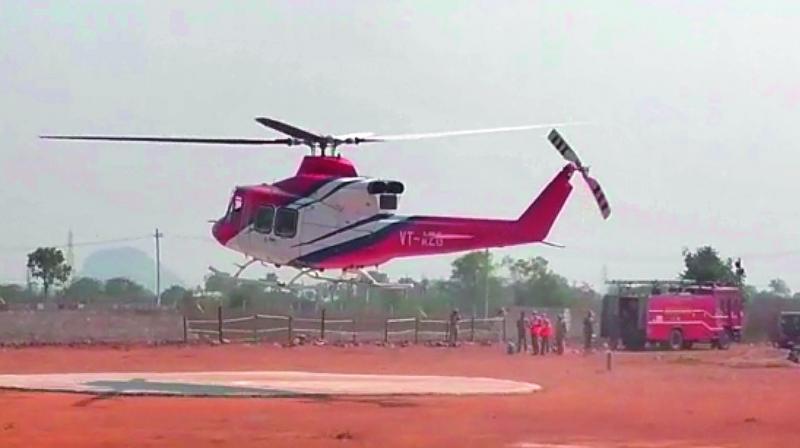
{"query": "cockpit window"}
{"type": "Point", "coordinates": [286, 222]}
{"type": "Point", "coordinates": [234, 207]}
{"type": "Point", "coordinates": [264, 219]}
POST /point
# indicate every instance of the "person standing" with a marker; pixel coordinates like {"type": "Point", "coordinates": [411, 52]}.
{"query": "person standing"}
{"type": "Point", "coordinates": [500, 324]}
{"type": "Point", "coordinates": [545, 335]}
{"type": "Point", "coordinates": [522, 333]}
{"type": "Point", "coordinates": [536, 333]}
{"type": "Point", "coordinates": [561, 333]}
{"type": "Point", "coordinates": [588, 330]}
{"type": "Point", "coordinates": [455, 318]}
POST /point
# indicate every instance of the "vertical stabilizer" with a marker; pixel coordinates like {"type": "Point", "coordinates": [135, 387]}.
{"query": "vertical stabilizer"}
{"type": "Point", "coordinates": [536, 222]}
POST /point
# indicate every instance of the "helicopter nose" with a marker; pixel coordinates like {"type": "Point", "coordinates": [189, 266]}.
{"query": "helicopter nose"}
{"type": "Point", "coordinates": [215, 230]}
{"type": "Point", "coordinates": [220, 233]}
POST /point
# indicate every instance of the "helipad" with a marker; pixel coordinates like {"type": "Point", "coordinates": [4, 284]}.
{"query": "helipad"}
{"type": "Point", "coordinates": [261, 384]}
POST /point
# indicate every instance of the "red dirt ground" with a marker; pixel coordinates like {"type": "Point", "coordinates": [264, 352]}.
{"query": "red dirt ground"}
{"type": "Point", "coordinates": [698, 398]}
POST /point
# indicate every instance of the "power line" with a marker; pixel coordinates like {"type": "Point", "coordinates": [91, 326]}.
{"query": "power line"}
{"type": "Point", "coordinates": [110, 241]}
{"type": "Point", "coordinates": [192, 237]}
{"type": "Point", "coordinates": [101, 242]}
{"type": "Point", "coordinates": [75, 244]}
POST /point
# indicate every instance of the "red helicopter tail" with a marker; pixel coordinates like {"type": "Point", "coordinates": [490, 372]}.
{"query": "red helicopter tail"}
{"type": "Point", "coordinates": [536, 222]}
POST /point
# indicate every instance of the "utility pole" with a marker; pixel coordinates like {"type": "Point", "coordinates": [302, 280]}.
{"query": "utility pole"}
{"type": "Point", "coordinates": [28, 280]}
{"type": "Point", "coordinates": [158, 235]}
{"type": "Point", "coordinates": [71, 256]}
{"type": "Point", "coordinates": [486, 288]}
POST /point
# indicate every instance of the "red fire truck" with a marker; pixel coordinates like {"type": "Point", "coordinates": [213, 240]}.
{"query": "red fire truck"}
{"type": "Point", "coordinates": [671, 314]}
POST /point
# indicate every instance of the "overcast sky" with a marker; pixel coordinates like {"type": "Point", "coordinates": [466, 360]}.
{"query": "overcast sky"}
{"type": "Point", "coordinates": [695, 109]}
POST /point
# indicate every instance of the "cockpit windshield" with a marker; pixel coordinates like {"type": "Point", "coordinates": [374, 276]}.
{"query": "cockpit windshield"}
{"type": "Point", "coordinates": [234, 207]}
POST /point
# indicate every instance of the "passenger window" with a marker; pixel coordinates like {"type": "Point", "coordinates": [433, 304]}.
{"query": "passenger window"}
{"type": "Point", "coordinates": [264, 218]}
{"type": "Point", "coordinates": [286, 222]}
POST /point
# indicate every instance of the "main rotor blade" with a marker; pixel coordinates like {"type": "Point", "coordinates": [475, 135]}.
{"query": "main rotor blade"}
{"type": "Point", "coordinates": [289, 129]}
{"type": "Point", "coordinates": [385, 138]}
{"type": "Point", "coordinates": [215, 141]}
{"type": "Point", "coordinates": [354, 135]}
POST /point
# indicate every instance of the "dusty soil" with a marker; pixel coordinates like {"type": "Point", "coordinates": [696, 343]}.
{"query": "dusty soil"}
{"type": "Point", "coordinates": [745, 397]}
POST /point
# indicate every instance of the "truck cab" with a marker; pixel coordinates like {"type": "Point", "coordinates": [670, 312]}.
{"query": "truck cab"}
{"type": "Point", "coordinates": [788, 329]}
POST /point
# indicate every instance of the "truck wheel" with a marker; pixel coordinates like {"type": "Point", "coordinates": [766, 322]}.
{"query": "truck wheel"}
{"type": "Point", "coordinates": [675, 340]}
{"type": "Point", "coordinates": [724, 341]}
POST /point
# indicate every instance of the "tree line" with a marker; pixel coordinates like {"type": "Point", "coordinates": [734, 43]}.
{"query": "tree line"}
{"type": "Point", "coordinates": [706, 265]}
{"type": "Point", "coordinates": [477, 284]}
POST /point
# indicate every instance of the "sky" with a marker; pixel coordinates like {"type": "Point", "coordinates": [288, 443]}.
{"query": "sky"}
{"type": "Point", "coordinates": [693, 112]}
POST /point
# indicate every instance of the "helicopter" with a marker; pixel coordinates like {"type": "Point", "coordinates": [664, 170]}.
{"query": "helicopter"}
{"type": "Point", "coordinates": [328, 217]}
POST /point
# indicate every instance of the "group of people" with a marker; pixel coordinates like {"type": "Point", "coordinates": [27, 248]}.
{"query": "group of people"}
{"type": "Point", "coordinates": [545, 337]}
{"type": "Point", "coordinates": [542, 331]}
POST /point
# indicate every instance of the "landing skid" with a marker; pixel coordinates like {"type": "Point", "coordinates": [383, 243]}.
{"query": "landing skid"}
{"type": "Point", "coordinates": [244, 266]}
{"type": "Point", "coordinates": [348, 276]}
{"type": "Point", "coordinates": [362, 278]}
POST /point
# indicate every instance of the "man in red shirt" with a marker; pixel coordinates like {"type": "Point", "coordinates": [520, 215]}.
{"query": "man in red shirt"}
{"type": "Point", "coordinates": [536, 332]}
{"type": "Point", "coordinates": [545, 331]}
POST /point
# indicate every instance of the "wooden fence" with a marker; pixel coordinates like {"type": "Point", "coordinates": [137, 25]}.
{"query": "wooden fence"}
{"type": "Point", "coordinates": [265, 327]}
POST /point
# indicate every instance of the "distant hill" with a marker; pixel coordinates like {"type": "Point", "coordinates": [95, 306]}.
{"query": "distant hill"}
{"type": "Point", "coordinates": [128, 262]}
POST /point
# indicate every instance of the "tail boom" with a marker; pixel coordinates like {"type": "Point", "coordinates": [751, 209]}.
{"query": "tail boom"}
{"type": "Point", "coordinates": [427, 235]}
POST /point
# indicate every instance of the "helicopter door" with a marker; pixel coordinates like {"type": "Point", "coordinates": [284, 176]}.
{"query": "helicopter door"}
{"type": "Point", "coordinates": [274, 234]}
{"type": "Point", "coordinates": [260, 235]}
{"type": "Point", "coordinates": [286, 235]}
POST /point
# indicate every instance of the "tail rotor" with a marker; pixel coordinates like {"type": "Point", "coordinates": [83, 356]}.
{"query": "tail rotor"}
{"type": "Point", "coordinates": [570, 156]}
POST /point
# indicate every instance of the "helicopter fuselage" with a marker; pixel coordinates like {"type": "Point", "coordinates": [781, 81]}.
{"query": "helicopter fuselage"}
{"type": "Point", "coordinates": [329, 217]}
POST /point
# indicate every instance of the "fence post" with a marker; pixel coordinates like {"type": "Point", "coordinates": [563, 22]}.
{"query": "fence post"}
{"type": "Point", "coordinates": [353, 329]}
{"type": "Point", "coordinates": [504, 329]}
{"type": "Point", "coordinates": [255, 329]}
{"type": "Point", "coordinates": [386, 331]}
{"type": "Point", "coordinates": [472, 329]}
{"type": "Point", "coordinates": [185, 331]}
{"type": "Point", "coordinates": [219, 323]}
{"type": "Point", "coordinates": [289, 332]}
{"type": "Point", "coordinates": [322, 324]}
{"type": "Point", "coordinates": [416, 330]}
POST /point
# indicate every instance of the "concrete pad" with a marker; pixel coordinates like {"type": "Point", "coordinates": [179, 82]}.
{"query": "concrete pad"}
{"type": "Point", "coordinates": [261, 384]}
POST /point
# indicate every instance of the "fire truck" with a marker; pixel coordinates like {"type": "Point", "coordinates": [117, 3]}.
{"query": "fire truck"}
{"type": "Point", "coordinates": [671, 314]}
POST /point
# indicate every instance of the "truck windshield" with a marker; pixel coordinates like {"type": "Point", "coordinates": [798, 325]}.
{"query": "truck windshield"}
{"type": "Point", "coordinates": [790, 324]}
